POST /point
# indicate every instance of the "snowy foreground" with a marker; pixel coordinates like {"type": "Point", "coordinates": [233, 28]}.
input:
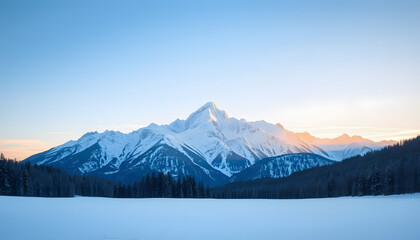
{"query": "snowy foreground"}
{"type": "Point", "coordinates": [393, 217]}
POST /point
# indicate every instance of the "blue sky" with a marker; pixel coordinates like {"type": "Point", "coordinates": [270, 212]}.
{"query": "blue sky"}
{"type": "Point", "coordinates": [67, 67]}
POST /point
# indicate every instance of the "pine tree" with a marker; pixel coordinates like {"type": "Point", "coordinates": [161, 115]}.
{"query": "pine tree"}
{"type": "Point", "coordinates": [354, 189]}
{"type": "Point", "coordinates": [201, 191]}
{"type": "Point", "coordinates": [148, 187]}
{"type": "Point", "coordinates": [128, 191]}
{"type": "Point", "coordinates": [25, 181]}
{"type": "Point", "coordinates": [179, 192]}
{"type": "Point", "coordinates": [154, 185]}
{"type": "Point", "coordinates": [370, 182]}
{"type": "Point", "coordinates": [389, 182]}
{"type": "Point", "coordinates": [401, 177]}
{"type": "Point", "coordinates": [331, 186]}
{"type": "Point", "coordinates": [184, 187]}
{"type": "Point", "coordinates": [4, 183]}
{"type": "Point", "coordinates": [417, 179]}
{"type": "Point", "coordinates": [376, 187]}
{"type": "Point", "coordinates": [160, 184]}
{"type": "Point", "coordinates": [135, 190]}
{"type": "Point", "coordinates": [194, 191]}
{"type": "Point", "coordinates": [208, 191]}
{"type": "Point", "coordinates": [360, 185]}
{"type": "Point", "coordinates": [2, 177]}
{"type": "Point", "coordinates": [168, 185]}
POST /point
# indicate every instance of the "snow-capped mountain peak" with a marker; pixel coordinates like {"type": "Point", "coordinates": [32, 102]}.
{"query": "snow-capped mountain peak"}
{"type": "Point", "coordinates": [209, 144]}
{"type": "Point", "coordinates": [208, 113]}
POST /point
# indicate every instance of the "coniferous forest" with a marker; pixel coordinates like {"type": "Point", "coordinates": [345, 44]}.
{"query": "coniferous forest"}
{"type": "Point", "coordinates": [392, 170]}
{"type": "Point", "coordinates": [24, 179]}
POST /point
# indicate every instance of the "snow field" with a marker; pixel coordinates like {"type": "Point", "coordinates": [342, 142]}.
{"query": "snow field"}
{"type": "Point", "coordinates": [392, 217]}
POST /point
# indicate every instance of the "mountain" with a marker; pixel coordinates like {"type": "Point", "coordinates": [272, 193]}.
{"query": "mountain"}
{"type": "Point", "coordinates": [209, 145]}
{"type": "Point", "coordinates": [391, 170]}
{"type": "Point", "coordinates": [281, 166]}
{"type": "Point", "coordinates": [344, 146]}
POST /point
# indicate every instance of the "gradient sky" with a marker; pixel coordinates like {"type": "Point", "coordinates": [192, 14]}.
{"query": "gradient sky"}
{"type": "Point", "coordinates": [68, 67]}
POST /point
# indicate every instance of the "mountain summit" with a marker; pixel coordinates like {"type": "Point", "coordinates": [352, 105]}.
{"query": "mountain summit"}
{"type": "Point", "coordinates": [208, 145]}
{"type": "Point", "coordinates": [207, 114]}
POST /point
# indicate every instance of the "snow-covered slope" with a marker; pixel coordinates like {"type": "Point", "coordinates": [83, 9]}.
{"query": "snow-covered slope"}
{"type": "Point", "coordinates": [281, 166]}
{"type": "Point", "coordinates": [209, 145]}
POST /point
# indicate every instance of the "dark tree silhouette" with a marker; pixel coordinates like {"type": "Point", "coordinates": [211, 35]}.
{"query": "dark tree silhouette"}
{"type": "Point", "coordinates": [23, 179]}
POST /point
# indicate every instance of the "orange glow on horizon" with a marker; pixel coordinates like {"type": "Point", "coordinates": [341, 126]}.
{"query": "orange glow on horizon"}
{"type": "Point", "coordinates": [20, 149]}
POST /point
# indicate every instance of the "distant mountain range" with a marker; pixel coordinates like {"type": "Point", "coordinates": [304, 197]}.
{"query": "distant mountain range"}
{"type": "Point", "coordinates": [209, 145]}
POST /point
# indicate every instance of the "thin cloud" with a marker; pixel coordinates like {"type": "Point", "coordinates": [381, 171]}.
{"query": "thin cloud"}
{"type": "Point", "coordinates": [23, 148]}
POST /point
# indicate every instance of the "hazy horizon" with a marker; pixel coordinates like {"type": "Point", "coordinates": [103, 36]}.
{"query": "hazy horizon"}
{"type": "Point", "coordinates": [327, 68]}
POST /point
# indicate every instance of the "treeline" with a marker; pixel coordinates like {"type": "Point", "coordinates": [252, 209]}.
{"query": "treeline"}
{"type": "Point", "coordinates": [24, 179]}
{"type": "Point", "coordinates": [392, 170]}
{"type": "Point", "coordinates": [163, 186]}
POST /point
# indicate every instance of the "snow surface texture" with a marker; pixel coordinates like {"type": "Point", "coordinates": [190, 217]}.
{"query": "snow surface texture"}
{"type": "Point", "coordinates": [391, 217]}
{"type": "Point", "coordinates": [210, 143]}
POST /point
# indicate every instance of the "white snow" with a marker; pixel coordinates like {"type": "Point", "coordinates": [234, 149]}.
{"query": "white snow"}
{"type": "Point", "coordinates": [209, 132]}
{"type": "Point", "coordinates": [391, 217]}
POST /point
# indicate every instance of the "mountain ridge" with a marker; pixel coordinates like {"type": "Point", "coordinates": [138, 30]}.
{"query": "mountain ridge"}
{"type": "Point", "coordinates": [209, 140]}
